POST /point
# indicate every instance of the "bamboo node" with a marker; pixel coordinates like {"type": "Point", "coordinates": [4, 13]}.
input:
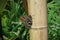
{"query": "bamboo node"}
{"type": "Point", "coordinates": [38, 28]}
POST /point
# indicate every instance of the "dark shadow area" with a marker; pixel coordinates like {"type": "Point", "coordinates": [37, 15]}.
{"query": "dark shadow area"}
{"type": "Point", "coordinates": [1, 36]}
{"type": "Point", "coordinates": [48, 1]}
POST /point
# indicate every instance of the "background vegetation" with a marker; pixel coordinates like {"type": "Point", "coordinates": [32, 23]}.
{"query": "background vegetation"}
{"type": "Point", "coordinates": [14, 29]}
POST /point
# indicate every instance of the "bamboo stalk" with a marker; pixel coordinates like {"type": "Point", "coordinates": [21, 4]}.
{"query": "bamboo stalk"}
{"type": "Point", "coordinates": [38, 10]}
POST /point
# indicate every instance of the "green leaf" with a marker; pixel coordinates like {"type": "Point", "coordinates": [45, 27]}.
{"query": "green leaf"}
{"type": "Point", "coordinates": [2, 5]}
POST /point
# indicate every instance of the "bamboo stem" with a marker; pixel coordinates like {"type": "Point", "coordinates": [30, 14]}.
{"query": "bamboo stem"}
{"type": "Point", "coordinates": [38, 10]}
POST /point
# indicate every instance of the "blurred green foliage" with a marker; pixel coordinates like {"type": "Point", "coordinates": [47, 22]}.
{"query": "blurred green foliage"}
{"type": "Point", "coordinates": [54, 20]}
{"type": "Point", "coordinates": [14, 29]}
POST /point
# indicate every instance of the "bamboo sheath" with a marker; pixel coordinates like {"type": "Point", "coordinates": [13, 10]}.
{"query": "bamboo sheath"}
{"type": "Point", "coordinates": [38, 10]}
